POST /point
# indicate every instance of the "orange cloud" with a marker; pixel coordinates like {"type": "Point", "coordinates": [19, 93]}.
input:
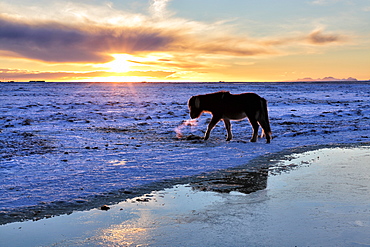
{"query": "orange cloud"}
{"type": "Point", "coordinates": [173, 63]}
{"type": "Point", "coordinates": [229, 47]}
{"type": "Point", "coordinates": [25, 75]}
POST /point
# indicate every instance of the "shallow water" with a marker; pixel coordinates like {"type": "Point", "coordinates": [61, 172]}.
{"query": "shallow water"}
{"type": "Point", "coordinates": [322, 201]}
{"type": "Point", "coordinates": [66, 144]}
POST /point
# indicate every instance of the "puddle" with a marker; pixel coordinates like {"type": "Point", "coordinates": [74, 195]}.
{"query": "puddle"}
{"type": "Point", "coordinates": [315, 198]}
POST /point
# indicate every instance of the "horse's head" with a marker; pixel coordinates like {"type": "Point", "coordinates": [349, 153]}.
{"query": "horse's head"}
{"type": "Point", "coordinates": [194, 107]}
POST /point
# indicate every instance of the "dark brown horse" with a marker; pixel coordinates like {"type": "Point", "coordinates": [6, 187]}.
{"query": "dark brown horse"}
{"type": "Point", "coordinates": [226, 106]}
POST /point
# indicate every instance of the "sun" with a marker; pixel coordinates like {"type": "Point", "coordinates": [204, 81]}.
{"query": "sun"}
{"type": "Point", "coordinates": [130, 68]}
{"type": "Point", "coordinates": [120, 64]}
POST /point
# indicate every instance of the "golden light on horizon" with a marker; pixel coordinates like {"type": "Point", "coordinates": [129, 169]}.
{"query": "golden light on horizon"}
{"type": "Point", "coordinates": [120, 64]}
{"type": "Point", "coordinates": [151, 67]}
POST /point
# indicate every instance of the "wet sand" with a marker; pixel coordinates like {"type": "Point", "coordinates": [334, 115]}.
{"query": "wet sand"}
{"type": "Point", "coordinates": [315, 198]}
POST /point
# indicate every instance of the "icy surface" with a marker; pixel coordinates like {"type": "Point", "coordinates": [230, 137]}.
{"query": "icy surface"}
{"type": "Point", "coordinates": [68, 141]}
{"type": "Point", "coordinates": [323, 201]}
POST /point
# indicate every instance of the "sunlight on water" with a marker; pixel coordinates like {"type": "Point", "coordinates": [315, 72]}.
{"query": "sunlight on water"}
{"type": "Point", "coordinates": [122, 235]}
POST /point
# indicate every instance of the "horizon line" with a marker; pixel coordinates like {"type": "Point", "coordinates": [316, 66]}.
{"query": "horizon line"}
{"type": "Point", "coordinates": [192, 82]}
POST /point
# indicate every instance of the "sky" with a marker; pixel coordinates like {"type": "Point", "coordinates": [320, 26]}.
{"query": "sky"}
{"type": "Point", "coordinates": [184, 40]}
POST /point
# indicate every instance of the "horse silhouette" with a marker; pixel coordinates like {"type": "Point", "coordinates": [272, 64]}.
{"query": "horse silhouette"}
{"type": "Point", "coordinates": [226, 106]}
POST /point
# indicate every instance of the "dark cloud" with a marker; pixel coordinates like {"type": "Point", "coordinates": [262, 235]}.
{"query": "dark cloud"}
{"type": "Point", "coordinates": [318, 38]}
{"type": "Point", "coordinates": [90, 42]}
{"type": "Point", "coordinates": [55, 42]}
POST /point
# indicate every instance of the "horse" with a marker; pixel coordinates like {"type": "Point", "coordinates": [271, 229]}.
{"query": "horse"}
{"type": "Point", "coordinates": [226, 106]}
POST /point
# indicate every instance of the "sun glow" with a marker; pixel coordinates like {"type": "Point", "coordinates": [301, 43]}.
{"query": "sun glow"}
{"type": "Point", "coordinates": [129, 68]}
{"type": "Point", "coordinates": [120, 64]}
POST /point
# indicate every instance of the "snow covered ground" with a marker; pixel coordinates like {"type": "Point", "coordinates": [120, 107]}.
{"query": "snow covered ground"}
{"type": "Point", "coordinates": [67, 143]}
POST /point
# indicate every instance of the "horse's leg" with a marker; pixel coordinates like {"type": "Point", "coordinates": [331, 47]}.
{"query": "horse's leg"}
{"type": "Point", "coordinates": [255, 126]}
{"type": "Point", "coordinates": [228, 129]}
{"type": "Point", "coordinates": [211, 125]}
{"type": "Point", "coordinates": [266, 130]}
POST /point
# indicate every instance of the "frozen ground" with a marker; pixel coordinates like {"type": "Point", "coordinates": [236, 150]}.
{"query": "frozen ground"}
{"type": "Point", "coordinates": [66, 144]}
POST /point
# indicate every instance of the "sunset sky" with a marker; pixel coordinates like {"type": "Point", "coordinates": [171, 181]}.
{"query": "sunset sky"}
{"type": "Point", "coordinates": [184, 40]}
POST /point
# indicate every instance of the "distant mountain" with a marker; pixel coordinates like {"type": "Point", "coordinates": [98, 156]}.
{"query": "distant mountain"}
{"type": "Point", "coordinates": [329, 78]}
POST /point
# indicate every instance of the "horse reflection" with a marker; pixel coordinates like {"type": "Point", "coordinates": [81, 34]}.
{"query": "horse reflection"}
{"type": "Point", "coordinates": [241, 181]}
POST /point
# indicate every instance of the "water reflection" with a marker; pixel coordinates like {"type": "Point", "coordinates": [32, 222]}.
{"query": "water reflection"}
{"type": "Point", "coordinates": [242, 181]}
{"type": "Point", "coordinates": [322, 189]}
{"type": "Point", "coordinates": [326, 197]}
{"type": "Point", "coordinates": [121, 235]}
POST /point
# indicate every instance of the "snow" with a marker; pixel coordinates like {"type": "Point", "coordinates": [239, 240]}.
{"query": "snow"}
{"type": "Point", "coordinates": [69, 142]}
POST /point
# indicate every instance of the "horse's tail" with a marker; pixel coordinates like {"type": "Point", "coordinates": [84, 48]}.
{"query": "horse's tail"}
{"type": "Point", "coordinates": [263, 119]}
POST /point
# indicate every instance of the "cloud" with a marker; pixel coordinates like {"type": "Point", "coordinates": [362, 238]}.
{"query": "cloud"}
{"type": "Point", "coordinates": [57, 42]}
{"type": "Point", "coordinates": [317, 37]}
{"type": "Point", "coordinates": [91, 34]}
{"type": "Point", "coordinates": [158, 8]}
{"type": "Point", "coordinates": [148, 73]}
{"type": "Point", "coordinates": [82, 34]}
{"type": "Point", "coordinates": [25, 75]}
{"type": "Point", "coordinates": [159, 62]}
{"type": "Point", "coordinates": [245, 51]}
{"type": "Point", "coordinates": [324, 2]}
{"type": "Point", "coordinates": [53, 41]}
{"type": "Point", "coordinates": [178, 63]}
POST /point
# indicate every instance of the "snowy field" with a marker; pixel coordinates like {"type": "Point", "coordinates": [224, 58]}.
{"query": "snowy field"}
{"type": "Point", "coordinates": [69, 143]}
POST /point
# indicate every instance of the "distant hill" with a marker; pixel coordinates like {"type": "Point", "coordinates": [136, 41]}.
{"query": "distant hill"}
{"type": "Point", "coordinates": [329, 78]}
